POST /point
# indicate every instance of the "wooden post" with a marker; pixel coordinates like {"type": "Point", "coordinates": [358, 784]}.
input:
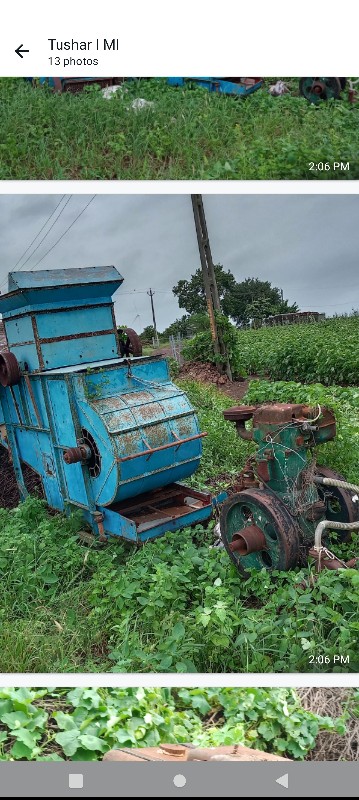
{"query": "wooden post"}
{"type": "Point", "coordinates": [209, 279]}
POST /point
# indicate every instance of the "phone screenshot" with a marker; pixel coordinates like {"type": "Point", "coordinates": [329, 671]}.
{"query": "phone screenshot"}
{"type": "Point", "coordinates": [179, 402]}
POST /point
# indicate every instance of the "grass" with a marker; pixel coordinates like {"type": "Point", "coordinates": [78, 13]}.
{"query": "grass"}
{"type": "Point", "coordinates": [176, 604]}
{"type": "Point", "coordinates": [187, 134]}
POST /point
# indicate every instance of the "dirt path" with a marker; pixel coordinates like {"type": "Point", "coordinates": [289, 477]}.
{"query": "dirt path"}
{"type": "Point", "coordinates": [236, 390]}
{"type": "Point", "coordinates": [208, 373]}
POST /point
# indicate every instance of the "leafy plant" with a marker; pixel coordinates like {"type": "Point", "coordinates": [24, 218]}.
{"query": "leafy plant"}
{"type": "Point", "coordinates": [201, 347]}
{"type": "Point", "coordinates": [175, 606]}
{"type": "Point", "coordinates": [324, 352]}
{"type": "Point", "coordinates": [82, 724]}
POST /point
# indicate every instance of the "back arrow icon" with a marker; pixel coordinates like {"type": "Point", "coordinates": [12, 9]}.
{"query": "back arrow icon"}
{"type": "Point", "coordinates": [20, 52]}
{"type": "Point", "coordinates": [283, 780]}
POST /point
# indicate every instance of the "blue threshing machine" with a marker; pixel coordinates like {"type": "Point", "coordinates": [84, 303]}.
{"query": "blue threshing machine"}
{"type": "Point", "coordinates": [110, 435]}
{"type": "Point", "coordinates": [313, 89]}
{"type": "Point", "coordinates": [233, 86]}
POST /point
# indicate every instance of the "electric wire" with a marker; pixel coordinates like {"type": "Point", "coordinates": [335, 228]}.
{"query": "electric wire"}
{"type": "Point", "coordinates": [43, 238]}
{"type": "Point", "coordinates": [47, 232]}
{"type": "Point", "coordinates": [65, 232]}
{"type": "Point", "coordinates": [38, 233]}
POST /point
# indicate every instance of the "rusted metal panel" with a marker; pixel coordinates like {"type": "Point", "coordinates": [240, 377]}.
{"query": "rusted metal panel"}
{"type": "Point", "coordinates": [75, 85]}
{"type": "Point", "coordinates": [277, 414]}
{"type": "Point", "coordinates": [37, 343]}
{"type": "Point", "coordinates": [33, 400]}
{"type": "Point", "coordinates": [187, 752]}
{"type": "Point", "coordinates": [154, 513]}
{"type": "Point", "coordinates": [149, 451]}
{"type": "Point", "coordinates": [121, 421]}
{"type": "Point", "coordinates": [137, 397]}
{"type": "Point", "coordinates": [239, 413]}
{"type": "Point", "coordinates": [271, 522]}
{"type": "Point", "coordinates": [3, 340]}
{"type": "Point", "coordinates": [70, 336]}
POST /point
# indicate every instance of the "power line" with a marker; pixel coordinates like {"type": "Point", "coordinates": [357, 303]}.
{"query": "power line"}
{"type": "Point", "coordinates": [40, 231]}
{"type": "Point", "coordinates": [43, 238]}
{"type": "Point", "coordinates": [47, 233]}
{"type": "Point", "coordinates": [132, 291]}
{"type": "Point", "coordinates": [169, 291]}
{"type": "Point", "coordinates": [65, 232]}
{"type": "Point", "coordinates": [140, 291]}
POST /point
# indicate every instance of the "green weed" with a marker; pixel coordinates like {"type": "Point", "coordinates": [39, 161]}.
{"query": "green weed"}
{"type": "Point", "coordinates": [174, 606]}
{"type": "Point", "coordinates": [188, 133]}
{"type": "Point", "coordinates": [83, 724]}
{"type": "Point", "coordinates": [177, 604]}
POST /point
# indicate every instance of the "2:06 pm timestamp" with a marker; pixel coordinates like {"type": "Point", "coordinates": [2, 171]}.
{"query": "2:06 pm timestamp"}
{"type": "Point", "coordinates": [322, 659]}
{"type": "Point", "coordinates": [327, 166]}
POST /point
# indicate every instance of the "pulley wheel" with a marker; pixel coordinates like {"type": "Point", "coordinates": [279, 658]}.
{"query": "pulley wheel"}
{"type": "Point", "coordinates": [130, 343]}
{"type": "Point", "coordinates": [316, 89]}
{"type": "Point", "coordinates": [261, 510]}
{"type": "Point", "coordinates": [339, 505]}
{"type": "Point", "coordinates": [9, 369]}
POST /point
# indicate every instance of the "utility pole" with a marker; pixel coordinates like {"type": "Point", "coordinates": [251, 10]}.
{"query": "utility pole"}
{"type": "Point", "coordinates": [209, 278]}
{"type": "Point", "coordinates": [151, 293]}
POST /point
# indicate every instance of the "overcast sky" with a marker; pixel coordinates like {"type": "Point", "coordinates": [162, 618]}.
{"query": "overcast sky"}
{"type": "Point", "coordinates": [305, 244]}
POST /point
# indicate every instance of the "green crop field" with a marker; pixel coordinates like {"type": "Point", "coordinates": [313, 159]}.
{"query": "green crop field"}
{"type": "Point", "coordinates": [83, 724]}
{"type": "Point", "coordinates": [187, 133]}
{"type": "Point", "coordinates": [178, 604]}
{"type": "Point", "coordinates": [326, 351]}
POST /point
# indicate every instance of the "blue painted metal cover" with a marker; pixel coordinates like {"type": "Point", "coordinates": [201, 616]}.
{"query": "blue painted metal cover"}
{"type": "Point", "coordinates": [146, 431]}
{"type": "Point", "coordinates": [222, 85]}
{"type": "Point", "coordinates": [59, 318]}
{"type": "Point", "coordinates": [64, 277]}
{"type": "Point", "coordinates": [139, 427]}
{"type": "Point", "coordinates": [50, 286]}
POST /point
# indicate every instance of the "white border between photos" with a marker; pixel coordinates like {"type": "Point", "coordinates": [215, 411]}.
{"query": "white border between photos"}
{"type": "Point", "coordinates": [181, 187]}
{"type": "Point", "coordinates": [175, 679]}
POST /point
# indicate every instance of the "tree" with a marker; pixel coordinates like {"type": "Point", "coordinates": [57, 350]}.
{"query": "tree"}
{"type": "Point", "coordinates": [253, 298]}
{"type": "Point", "coordinates": [191, 295]}
{"type": "Point", "coordinates": [177, 328]}
{"type": "Point", "coordinates": [148, 334]}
